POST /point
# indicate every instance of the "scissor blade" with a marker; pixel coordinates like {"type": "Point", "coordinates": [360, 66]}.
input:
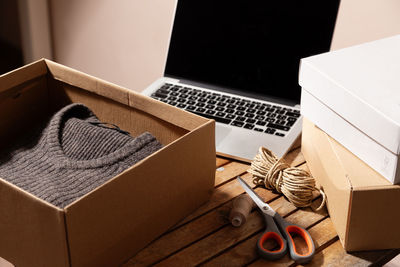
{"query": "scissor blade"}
{"type": "Point", "coordinates": [264, 207]}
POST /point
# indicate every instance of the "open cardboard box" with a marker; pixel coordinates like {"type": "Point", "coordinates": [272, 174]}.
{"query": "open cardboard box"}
{"type": "Point", "coordinates": [362, 204]}
{"type": "Point", "coordinates": [113, 222]}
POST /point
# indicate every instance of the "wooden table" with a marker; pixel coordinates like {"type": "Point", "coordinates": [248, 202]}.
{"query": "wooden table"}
{"type": "Point", "coordinates": [207, 238]}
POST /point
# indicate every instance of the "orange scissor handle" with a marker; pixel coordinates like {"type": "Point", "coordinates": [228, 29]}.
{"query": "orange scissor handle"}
{"type": "Point", "coordinates": [289, 231]}
{"type": "Point", "coordinates": [271, 233]}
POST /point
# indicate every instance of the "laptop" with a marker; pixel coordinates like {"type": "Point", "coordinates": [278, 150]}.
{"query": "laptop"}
{"type": "Point", "coordinates": [237, 62]}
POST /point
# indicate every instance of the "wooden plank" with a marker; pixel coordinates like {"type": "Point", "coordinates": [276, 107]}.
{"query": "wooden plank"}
{"type": "Point", "coordinates": [245, 252]}
{"type": "Point", "coordinates": [221, 161]}
{"type": "Point", "coordinates": [322, 233]}
{"type": "Point", "coordinates": [188, 233]}
{"type": "Point", "coordinates": [336, 255]}
{"type": "Point", "coordinates": [224, 238]}
{"type": "Point", "coordinates": [294, 158]}
{"type": "Point", "coordinates": [229, 171]}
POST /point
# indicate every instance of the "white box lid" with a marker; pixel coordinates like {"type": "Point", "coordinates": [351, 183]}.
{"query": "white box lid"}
{"type": "Point", "coordinates": [362, 85]}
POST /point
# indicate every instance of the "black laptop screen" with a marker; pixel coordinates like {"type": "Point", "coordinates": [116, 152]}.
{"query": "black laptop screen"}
{"type": "Point", "coordinates": [254, 46]}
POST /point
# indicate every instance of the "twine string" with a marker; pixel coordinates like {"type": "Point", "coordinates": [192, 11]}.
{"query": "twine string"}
{"type": "Point", "coordinates": [295, 184]}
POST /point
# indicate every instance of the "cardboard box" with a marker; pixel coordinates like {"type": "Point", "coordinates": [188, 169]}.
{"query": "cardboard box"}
{"type": "Point", "coordinates": [360, 86]}
{"type": "Point", "coordinates": [113, 222]}
{"type": "Point", "coordinates": [361, 203]}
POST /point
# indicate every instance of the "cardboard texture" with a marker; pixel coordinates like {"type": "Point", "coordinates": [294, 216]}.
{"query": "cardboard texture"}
{"type": "Point", "coordinates": [361, 203]}
{"type": "Point", "coordinates": [113, 222]}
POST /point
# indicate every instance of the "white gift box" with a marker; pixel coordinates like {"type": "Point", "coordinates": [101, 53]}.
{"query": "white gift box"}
{"type": "Point", "coordinates": [353, 94]}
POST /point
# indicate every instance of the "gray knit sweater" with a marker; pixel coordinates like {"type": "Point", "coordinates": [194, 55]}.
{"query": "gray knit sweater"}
{"type": "Point", "coordinates": [72, 155]}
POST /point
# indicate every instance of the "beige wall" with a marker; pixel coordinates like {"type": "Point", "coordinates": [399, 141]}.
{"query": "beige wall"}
{"type": "Point", "coordinates": [362, 21]}
{"type": "Point", "coordinates": [126, 41]}
{"type": "Point", "coordinates": [121, 41]}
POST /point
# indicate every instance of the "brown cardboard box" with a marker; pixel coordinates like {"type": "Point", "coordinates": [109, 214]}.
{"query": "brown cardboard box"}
{"type": "Point", "coordinates": [113, 222]}
{"type": "Point", "coordinates": [362, 204]}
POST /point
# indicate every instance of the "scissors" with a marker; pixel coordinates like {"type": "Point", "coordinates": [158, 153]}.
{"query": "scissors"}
{"type": "Point", "coordinates": [281, 231]}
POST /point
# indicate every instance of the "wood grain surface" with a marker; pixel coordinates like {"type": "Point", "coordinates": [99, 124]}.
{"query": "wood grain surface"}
{"type": "Point", "coordinates": [206, 238]}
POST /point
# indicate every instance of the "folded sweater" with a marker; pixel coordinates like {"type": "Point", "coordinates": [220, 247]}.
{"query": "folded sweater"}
{"type": "Point", "coordinates": [72, 155]}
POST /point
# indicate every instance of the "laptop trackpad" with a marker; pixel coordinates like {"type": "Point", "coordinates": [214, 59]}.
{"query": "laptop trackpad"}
{"type": "Point", "coordinates": [221, 133]}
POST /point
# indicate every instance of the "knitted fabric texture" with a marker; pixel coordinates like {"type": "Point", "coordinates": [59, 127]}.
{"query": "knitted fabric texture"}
{"type": "Point", "coordinates": [72, 155]}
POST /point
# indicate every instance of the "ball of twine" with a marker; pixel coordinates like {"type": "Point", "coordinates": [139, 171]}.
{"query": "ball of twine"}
{"type": "Point", "coordinates": [296, 184]}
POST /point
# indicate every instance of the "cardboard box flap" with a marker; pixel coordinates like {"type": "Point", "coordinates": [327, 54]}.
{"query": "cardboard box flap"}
{"type": "Point", "coordinates": [87, 82]}
{"type": "Point", "coordinates": [22, 75]}
{"type": "Point", "coordinates": [124, 96]}
{"type": "Point", "coordinates": [360, 84]}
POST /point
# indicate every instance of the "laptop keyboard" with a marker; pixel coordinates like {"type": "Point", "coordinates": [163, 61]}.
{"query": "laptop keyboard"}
{"type": "Point", "coordinates": [236, 111]}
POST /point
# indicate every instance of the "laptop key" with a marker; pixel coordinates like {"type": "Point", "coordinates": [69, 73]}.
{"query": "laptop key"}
{"type": "Point", "coordinates": [280, 134]}
{"type": "Point", "coordinates": [240, 113]}
{"type": "Point", "coordinates": [211, 112]}
{"type": "Point", "coordinates": [173, 103]}
{"type": "Point", "coordinates": [191, 108]}
{"type": "Point", "coordinates": [217, 119]}
{"type": "Point", "coordinates": [250, 120]}
{"type": "Point", "coordinates": [293, 114]}
{"type": "Point", "coordinates": [240, 118]}
{"type": "Point", "coordinates": [290, 123]}
{"type": "Point", "coordinates": [181, 100]}
{"type": "Point", "coordinates": [248, 126]}
{"type": "Point", "coordinates": [191, 102]}
{"type": "Point", "coordinates": [210, 106]}
{"type": "Point", "coordinates": [200, 105]}
{"type": "Point", "coordinates": [220, 109]}
{"type": "Point", "coordinates": [260, 118]}
{"type": "Point", "coordinates": [279, 127]}
{"type": "Point", "coordinates": [270, 120]}
{"type": "Point", "coordinates": [220, 114]}
{"type": "Point", "coordinates": [261, 113]}
{"type": "Point", "coordinates": [258, 129]}
{"type": "Point", "coordinates": [212, 102]}
{"type": "Point", "coordinates": [173, 98]}
{"type": "Point", "coordinates": [237, 123]}
{"type": "Point", "coordinates": [230, 111]}
{"type": "Point", "coordinates": [221, 104]}
{"type": "Point", "coordinates": [181, 105]}
{"type": "Point", "coordinates": [270, 131]}
{"type": "Point", "coordinates": [230, 116]}
{"type": "Point", "coordinates": [292, 119]}
{"type": "Point", "coordinates": [201, 110]}
{"type": "Point", "coordinates": [261, 123]}
{"type": "Point", "coordinates": [160, 95]}
{"type": "Point", "coordinates": [249, 115]}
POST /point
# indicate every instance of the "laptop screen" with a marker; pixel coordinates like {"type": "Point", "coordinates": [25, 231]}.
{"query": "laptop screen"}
{"type": "Point", "coordinates": [252, 46]}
